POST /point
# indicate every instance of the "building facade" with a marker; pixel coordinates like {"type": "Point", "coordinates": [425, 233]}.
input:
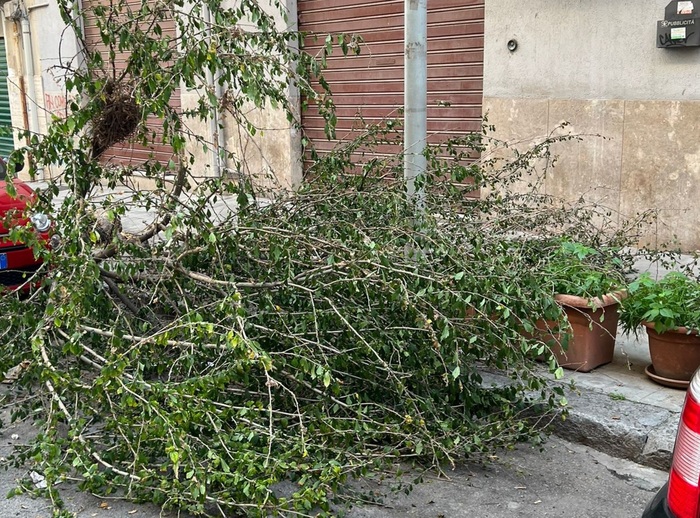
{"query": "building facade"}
{"type": "Point", "coordinates": [37, 46]}
{"type": "Point", "coordinates": [527, 65]}
{"type": "Point", "coordinates": [596, 64]}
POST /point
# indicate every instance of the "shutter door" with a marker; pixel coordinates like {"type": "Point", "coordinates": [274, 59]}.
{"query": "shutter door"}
{"type": "Point", "coordinates": [7, 144]}
{"type": "Point", "coordinates": [130, 153]}
{"type": "Point", "coordinates": [371, 84]}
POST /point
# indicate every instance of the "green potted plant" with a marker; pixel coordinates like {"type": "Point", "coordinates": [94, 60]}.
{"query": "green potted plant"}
{"type": "Point", "coordinates": [588, 284]}
{"type": "Point", "coordinates": [669, 309]}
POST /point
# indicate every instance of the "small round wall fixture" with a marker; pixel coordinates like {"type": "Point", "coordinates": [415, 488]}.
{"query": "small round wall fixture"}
{"type": "Point", "coordinates": [512, 45]}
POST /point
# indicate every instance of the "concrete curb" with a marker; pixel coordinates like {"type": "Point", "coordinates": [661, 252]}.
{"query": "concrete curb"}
{"type": "Point", "coordinates": [638, 432]}
{"type": "Point", "coordinates": [634, 431]}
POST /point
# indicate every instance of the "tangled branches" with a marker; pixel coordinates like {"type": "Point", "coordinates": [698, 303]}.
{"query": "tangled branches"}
{"type": "Point", "coordinates": [296, 341]}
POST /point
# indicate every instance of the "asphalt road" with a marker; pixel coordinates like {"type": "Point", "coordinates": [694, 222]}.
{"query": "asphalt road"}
{"type": "Point", "coordinates": [565, 480]}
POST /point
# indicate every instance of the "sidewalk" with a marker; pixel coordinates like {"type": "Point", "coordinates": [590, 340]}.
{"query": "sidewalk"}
{"type": "Point", "coordinates": [618, 409]}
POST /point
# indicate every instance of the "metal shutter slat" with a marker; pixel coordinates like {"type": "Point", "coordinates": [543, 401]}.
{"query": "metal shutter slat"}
{"type": "Point", "coordinates": [7, 144]}
{"type": "Point", "coordinates": [371, 84]}
{"type": "Point", "coordinates": [128, 153]}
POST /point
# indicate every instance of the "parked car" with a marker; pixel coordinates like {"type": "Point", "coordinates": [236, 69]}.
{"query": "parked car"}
{"type": "Point", "coordinates": [680, 497]}
{"type": "Point", "coordinates": [17, 260]}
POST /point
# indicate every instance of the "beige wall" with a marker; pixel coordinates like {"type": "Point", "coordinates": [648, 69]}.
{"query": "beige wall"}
{"type": "Point", "coordinates": [272, 157]}
{"type": "Point", "coordinates": [46, 30]}
{"type": "Point", "coordinates": [594, 63]}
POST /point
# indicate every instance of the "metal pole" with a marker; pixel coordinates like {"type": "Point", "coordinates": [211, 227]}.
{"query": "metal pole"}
{"type": "Point", "coordinates": [215, 123]}
{"type": "Point", "coordinates": [415, 97]}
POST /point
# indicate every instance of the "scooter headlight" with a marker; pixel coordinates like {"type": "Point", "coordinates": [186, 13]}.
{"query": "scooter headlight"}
{"type": "Point", "coordinates": [40, 221]}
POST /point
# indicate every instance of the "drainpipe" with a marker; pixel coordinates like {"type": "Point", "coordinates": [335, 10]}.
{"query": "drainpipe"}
{"type": "Point", "coordinates": [221, 130]}
{"type": "Point", "coordinates": [296, 162]}
{"type": "Point", "coordinates": [415, 97]}
{"type": "Point", "coordinates": [32, 104]}
{"type": "Point", "coordinates": [78, 15]}
{"type": "Point", "coordinates": [216, 127]}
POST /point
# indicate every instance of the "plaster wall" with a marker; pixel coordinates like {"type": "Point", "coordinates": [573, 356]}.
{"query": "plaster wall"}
{"type": "Point", "coordinates": [272, 157]}
{"type": "Point", "coordinates": [51, 47]}
{"type": "Point", "coordinates": [54, 49]}
{"type": "Point", "coordinates": [594, 63]}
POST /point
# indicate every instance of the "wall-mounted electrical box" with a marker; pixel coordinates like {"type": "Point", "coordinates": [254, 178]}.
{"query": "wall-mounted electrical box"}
{"type": "Point", "coordinates": [680, 26]}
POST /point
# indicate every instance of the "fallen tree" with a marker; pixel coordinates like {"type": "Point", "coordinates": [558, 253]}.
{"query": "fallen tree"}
{"type": "Point", "coordinates": [208, 357]}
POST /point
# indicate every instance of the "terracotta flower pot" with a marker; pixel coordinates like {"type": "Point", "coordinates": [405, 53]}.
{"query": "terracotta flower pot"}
{"type": "Point", "coordinates": [592, 328]}
{"type": "Point", "coordinates": [675, 354]}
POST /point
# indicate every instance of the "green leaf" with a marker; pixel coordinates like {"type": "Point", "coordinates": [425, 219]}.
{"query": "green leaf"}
{"type": "Point", "coordinates": [445, 333]}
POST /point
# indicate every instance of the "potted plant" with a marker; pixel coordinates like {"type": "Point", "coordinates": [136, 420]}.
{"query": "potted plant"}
{"type": "Point", "coordinates": [669, 309]}
{"type": "Point", "coordinates": [588, 285]}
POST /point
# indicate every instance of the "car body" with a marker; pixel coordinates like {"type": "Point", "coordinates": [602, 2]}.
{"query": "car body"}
{"type": "Point", "coordinates": [680, 497]}
{"type": "Point", "coordinates": [18, 263]}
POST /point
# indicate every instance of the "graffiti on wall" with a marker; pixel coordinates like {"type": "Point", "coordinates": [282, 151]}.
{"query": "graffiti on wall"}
{"type": "Point", "coordinates": [55, 104]}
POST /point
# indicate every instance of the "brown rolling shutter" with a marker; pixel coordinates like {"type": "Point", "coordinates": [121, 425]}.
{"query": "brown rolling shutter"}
{"type": "Point", "coordinates": [371, 84]}
{"type": "Point", "coordinates": [130, 153]}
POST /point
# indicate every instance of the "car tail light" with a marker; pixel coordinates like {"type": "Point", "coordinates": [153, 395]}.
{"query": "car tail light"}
{"type": "Point", "coordinates": [684, 481]}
